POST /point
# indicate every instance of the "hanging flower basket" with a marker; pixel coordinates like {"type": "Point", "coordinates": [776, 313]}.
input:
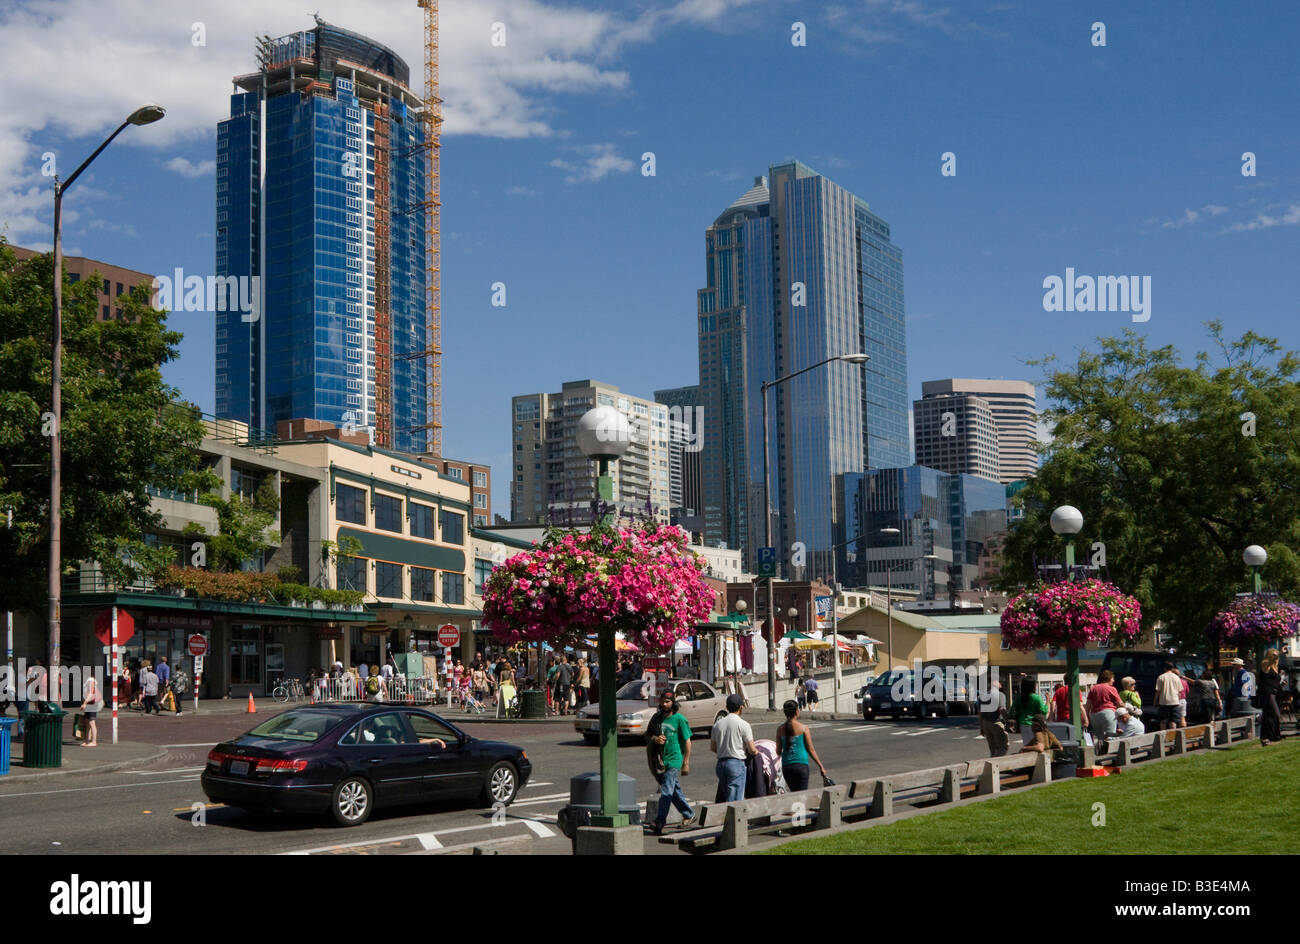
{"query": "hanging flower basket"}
{"type": "Point", "coordinates": [640, 581]}
{"type": "Point", "coordinates": [1070, 615]}
{"type": "Point", "coordinates": [1255, 621]}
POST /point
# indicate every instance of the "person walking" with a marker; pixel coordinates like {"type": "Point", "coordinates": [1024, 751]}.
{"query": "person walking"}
{"type": "Point", "coordinates": [993, 717]}
{"type": "Point", "coordinates": [1270, 696]}
{"type": "Point", "coordinates": [479, 683]}
{"type": "Point", "coordinates": [732, 739]}
{"type": "Point", "coordinates": [563, 685]}
{"type": "Point", "coordinates": [90, 706]}
{"type": "Point", "coordinates": [506, 681]}
{"type": "Point", "coordinates": [1029, 705]}
{"type": "Point", "coordinates": [582, 685]}
{"type": "Point", "coordinates": [795, 746]}
{"type": "Point", "coordinates": [1169, 691]}
{"type": "Point", "coordinates": [668, 752]}
{"type": "Point", "coordinates": [1205, 696]}
{"type": "Point", "coordinates": [1242, 691]}
{"type": "Point", "coordinates": [375, 688]}
{"type": "Point", "coordinates": [149, 688]}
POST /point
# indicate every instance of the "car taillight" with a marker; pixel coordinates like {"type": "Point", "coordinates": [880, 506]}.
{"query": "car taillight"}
{"type": "Point", "coordinates": [216, 758]}
{"type": "Point", "coordinates": [281, 766]}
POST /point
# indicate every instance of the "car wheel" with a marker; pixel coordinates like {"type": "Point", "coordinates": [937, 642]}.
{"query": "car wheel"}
{"type": "Point", "coordinates": [352, 802]}
{"type": "Point", "coordinates": [590, 737]}
{"type": "Point", "coordinates": [501, 785]}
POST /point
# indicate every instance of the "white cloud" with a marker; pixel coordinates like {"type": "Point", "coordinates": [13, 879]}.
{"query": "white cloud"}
{"type": "Point", "coordinates": [108, 59]}
{"type": "Point", "coordinates": [1191, 217]}
{"type": "Point", "coordinates": [188, 168]}
{"type": "Point", "coordinates": [597, 161]}
{"type": "Point", "coordinates": [1263, 220]}
{"type": "Point", "coordinates": [522, 192]}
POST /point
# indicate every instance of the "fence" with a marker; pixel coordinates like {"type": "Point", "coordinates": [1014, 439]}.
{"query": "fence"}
{"type": "Point", "coordinates": [399, 690]}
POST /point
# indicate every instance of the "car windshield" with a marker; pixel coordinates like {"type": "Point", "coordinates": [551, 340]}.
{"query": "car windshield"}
{"type": "Point", "coordinates": [296, 726]}
{"type": "Point", "coordinates": [636, 690]}
{"type": "Point", "coordinates": [888, 679]}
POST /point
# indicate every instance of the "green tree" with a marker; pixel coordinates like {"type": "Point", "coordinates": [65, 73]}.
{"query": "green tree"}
{"type": "Point", "coordinates": [1170, 473]}
{"type": "Point", "coordinates": [243, 526]}
{"type": "Point", "coordinates": [122, 430]}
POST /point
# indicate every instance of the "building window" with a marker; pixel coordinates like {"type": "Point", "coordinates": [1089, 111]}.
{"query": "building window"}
{"type": "Point", "coordinates": [455, 473]}
{"type": "Point", "coordinates": [480, 521]}
{"type": "Point", "coordinates": [350, 574]}
{"type": "Point", "coordinates": [422, 584]}
{"type": "Point", "coordinates": [480, 480]}
{"type": "Point", "coordinates": [480, 499]}
{"type": "Point", "coordinates": [453, 527]}
{"type": "Point", "coordinates": [388, 513]}
{"type": "Point", "coordinates": [482, 570]}
{"type": "Point", "coordinates": [351, 504]}
{"type": "Point", "coordinates": [421, 521]}
{"type": "Point", "coordinates": [453, 588]}
{"type": "Point", "coordinates": [388, 580]}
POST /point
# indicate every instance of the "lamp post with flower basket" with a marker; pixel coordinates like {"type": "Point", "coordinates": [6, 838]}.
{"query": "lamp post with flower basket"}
{"type": "Point", "coordinates": [641, 581]}
{"type": "Point", "coordinates": [1255, 620]}
{"type": "Point", "coordinates": [1070, 615]}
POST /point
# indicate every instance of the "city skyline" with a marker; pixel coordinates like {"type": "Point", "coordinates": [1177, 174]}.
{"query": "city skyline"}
{"type": "Point", "coordinates": [563, 155]}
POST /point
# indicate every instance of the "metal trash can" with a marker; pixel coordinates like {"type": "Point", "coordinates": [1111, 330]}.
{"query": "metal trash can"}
{"type": "Point", "coordinates": [5, 725]}
{"type": "Point", "coordinates": [584, 802]}
{"type": "Point", "coordinates": [1066, 764]}
{"type": "Point", "coordinates": [43, 743]}
{"type": "Point", "coordinates": [532, 703]}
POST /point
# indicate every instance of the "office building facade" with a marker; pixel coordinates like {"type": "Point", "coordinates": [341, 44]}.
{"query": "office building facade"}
{"type": "Point", "coordinates": [946, 524]}
{"type": "Point", "coordinates": [685, 466]}
{"type": "Point", "coordinates": [1014, 405]}
{"type": "Point", "coordinates": [955, 433]}
{"type": "Point", "coordinates": [320, 180]}
{"type": "Point", "coordinates": [554, 482]}
{"type": "Point", "coordinates": [798, 270]}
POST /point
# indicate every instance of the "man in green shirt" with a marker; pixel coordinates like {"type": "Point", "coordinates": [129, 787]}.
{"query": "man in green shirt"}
{"type": "Point", "coordinates": [668, 729]}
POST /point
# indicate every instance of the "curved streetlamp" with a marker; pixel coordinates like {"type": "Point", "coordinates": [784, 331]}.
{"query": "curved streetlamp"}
{"type": "Point", "coordinates": [605, 435]}
{"type": "Point", "coordinates": [144, 115]}
{"type": "Point", "coordinates": [767, 518]}
{"type": "Point", "coordinates": [1068, 521]}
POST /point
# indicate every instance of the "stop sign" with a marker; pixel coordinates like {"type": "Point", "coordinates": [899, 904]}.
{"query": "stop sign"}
{"type": "Point", "coordinates": [104, 626]}
{"type": "Point", "coordinates": [198, 645]}
{"type": "Point", "coordinates": [448, 635]}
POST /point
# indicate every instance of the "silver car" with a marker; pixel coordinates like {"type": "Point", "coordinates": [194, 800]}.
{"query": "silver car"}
{"type": "Point", "coordinates": [701, 703]}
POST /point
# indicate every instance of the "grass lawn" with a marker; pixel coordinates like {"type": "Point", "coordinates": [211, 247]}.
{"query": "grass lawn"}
{"type": "Point", "coordinates": [1240, 800]}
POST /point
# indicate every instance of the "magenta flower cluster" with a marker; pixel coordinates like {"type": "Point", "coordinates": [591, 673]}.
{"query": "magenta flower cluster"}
{"type": "Point", "coordinates": [1255, 620]}
{"type": "Point", "coordinates": [640, 581]}
{"type": "Point", "coordinates": [1070, 615]}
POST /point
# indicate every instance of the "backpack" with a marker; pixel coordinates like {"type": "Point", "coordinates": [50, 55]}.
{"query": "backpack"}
{"type": "Point", "coordinates": [372, 685]}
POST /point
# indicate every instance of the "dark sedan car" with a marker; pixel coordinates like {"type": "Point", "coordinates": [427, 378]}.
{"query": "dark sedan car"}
{"type": "Point", "coordinates": [349, 759]}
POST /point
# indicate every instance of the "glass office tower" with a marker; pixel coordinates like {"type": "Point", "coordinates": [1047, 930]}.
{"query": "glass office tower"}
{"type": "Point", "coordinates": [798, 270]}
{"type": "Point", "coordinates": [320, 187]}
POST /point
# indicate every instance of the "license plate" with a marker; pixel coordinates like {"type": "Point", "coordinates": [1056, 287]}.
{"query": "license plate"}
{"type": "Point", "coordinates": [239, 768]}
{"type": "Point", "coordinates": [886, 704]}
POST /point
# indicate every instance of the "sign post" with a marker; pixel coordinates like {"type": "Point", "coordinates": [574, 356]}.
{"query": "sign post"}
{"type": "Point", "coordinates": [448, 636]}
{"type": "Point", "coordinates": [198, 648]}
{"type": "Point", "coordinates": [114, 629]}
{"type": "Point", "coordinates": [113, 646]}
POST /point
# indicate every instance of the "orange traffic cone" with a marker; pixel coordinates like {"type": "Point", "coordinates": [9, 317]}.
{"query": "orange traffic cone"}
{"type": "Point", "coordinates": [252, 708]}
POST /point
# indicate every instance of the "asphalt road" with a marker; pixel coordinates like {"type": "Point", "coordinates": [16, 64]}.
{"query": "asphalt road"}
{"type": "Point", "coordinates": [161, 809]}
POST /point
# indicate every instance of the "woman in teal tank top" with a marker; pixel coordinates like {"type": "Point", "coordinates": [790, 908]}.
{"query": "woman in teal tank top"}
{"type": "Point", "coordinates": [795, 746]}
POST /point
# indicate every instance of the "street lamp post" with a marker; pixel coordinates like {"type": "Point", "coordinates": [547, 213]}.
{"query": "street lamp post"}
{"type": "Point", "coordinates": [604, 435]}
{"type": "Point", "coordinates": [1254, 557]}
{"type": "Point", "coordinates": [1068, 521]}
{"type": "Point", "coordinates": [767, 518]}
{"type": "Point", "coordinates": [146, 114]}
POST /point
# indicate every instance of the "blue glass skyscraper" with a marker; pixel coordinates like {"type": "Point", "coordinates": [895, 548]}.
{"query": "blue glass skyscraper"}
{"type": "Point", "coordinates": [798, 270]}
{"type": "Point", "coordinates": [320, 188]}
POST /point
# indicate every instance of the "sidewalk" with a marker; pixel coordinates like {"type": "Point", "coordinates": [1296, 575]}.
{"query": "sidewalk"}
{"type": "Point", "coordinates": [101, 759]}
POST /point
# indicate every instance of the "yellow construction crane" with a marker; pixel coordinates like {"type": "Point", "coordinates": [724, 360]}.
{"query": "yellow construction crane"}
{"type": "Point", "coordinates": [433, 209]}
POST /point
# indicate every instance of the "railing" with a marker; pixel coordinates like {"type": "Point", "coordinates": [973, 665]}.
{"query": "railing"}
{"type": "Point", "coordinates": [398, 690]}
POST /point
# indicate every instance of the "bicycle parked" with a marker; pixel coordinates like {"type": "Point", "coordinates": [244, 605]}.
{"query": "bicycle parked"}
{"type": "Point", "coordinates": [288, 688]}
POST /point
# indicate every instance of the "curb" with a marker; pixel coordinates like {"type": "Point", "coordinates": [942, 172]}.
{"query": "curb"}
{"type": "Point", "coordinates": [98, 769]}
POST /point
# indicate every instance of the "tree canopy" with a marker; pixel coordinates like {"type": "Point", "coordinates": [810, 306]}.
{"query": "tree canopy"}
{"type": "Point", "coordinates": [1176, 468]}
{"type": "Point", "coordinates": [123, 430]}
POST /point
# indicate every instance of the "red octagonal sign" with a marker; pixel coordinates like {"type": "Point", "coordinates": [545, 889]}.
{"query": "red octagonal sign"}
{"type": "Point", "coordinates": [448, 635]}
{"type": "Point", "coordinates": [198, 645]}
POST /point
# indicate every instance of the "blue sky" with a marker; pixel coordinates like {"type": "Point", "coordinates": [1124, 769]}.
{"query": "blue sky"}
{"type": "Point", "coordinates": [1115, 160]}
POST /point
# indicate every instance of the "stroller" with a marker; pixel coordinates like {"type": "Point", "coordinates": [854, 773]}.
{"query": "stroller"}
{"type": "Point", "coordinates": [471, 704]}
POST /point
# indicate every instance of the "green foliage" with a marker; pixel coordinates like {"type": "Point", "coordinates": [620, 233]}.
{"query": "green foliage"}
{"type": "Point", "coordinates": [244, 585]}
{"type": "Point", "coordinates": [1153, 453]}
{"type": "Point", "coordinates": [243, 526]}
{"type": "Point", "coordinates": [122, 430]}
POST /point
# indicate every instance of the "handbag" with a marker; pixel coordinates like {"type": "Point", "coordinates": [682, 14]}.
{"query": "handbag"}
{"type": "Point", "coordinates": [573, 699]}
{"type": "Point", "coordinates": [827, 781]}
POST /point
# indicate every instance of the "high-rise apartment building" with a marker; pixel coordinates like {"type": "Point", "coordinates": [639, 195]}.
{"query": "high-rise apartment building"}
{"type": "Point", "coordinates": [685, 444]}
{"type": "Point", "coordinates": [553, 481]}
{"type": "Point", "coordinates": [1014, 406]}
{"type": "Point", "coordinates": [956, 432]}
{"type": "Point", "coordinates": [798, 270]}
{"type": "Point", "coordinates": [320, 182]}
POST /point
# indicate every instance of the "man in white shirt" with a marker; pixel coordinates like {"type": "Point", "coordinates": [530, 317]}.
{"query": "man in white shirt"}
{"type": "Point", "coordinates": [1126, 724]}
{"type": "Point", "coordinates": [732, 739]}
{"type": "Point", "coordinates": [1169, 692]}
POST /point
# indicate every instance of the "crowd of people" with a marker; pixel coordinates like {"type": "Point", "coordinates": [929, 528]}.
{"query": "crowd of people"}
{"type": "Point", "coordinates": [1108, 712]}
